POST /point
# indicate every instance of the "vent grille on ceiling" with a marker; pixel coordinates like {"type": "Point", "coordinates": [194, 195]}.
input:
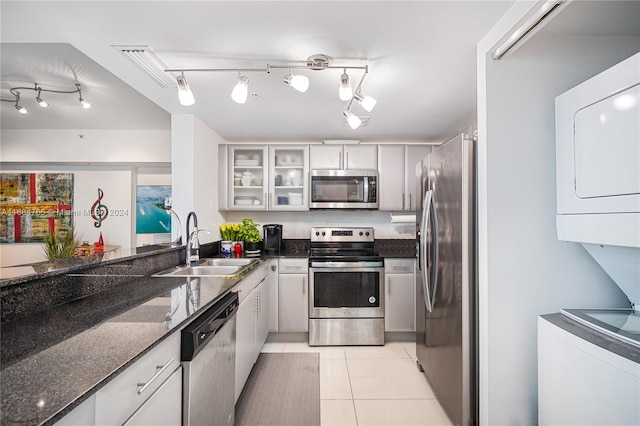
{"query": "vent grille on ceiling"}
{"type": "Point", "coordinates": [148, 61]}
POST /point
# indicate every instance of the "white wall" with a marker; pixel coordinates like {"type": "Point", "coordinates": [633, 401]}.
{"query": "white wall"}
{"type": "Point", "coordinates": [195, 174]}
{"type": "Point", "coordinates": [298, 224]}
{"type": "Point", "coordinates": [524, 270]}
{"type": "Point", "coordinates": [115, 182]}
{"type": "Point", "coordinates": [99, 159]}
{"type": "Point", "coordinates": [85, 146]}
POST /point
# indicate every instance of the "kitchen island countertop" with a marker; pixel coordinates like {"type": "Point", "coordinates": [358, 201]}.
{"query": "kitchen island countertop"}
{"type": "Point", "coordinates": [55, 359]}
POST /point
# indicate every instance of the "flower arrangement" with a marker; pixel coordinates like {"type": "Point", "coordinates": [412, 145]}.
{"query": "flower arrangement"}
{"type": "Point", "coordinates": [229, 231]}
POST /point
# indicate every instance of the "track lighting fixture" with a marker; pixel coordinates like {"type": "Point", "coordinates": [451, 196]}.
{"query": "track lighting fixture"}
{"type": "Point", "coordinates": [15, 91]}
{"type": "Point", "coordinates": [240, 90]}
{"type": "Point", "coordinates": [297, 81]}
{"type": "Point", "coordinates": [353, 120]}
{"type": "Point", "coordinates": [184, 92]}
{"type": "Point", "coordinates": [344, 91]}
{"type": "Point", "coordinates": [367, 102]}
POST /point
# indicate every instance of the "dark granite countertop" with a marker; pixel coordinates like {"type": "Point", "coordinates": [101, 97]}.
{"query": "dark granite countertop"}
{"type": "Point", "coordinates": [56, 358]}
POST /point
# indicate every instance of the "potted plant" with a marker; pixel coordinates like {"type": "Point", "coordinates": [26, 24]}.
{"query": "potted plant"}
{"type": "Point", "coordinates": [229, 234]}
{"type": "Point", "coordinates": [250, 233]}
{"type": "Point", "coordinates": [60, 247]}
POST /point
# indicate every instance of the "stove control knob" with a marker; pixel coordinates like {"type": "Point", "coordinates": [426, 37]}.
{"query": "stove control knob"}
{"type": "Point", "coordinates": [361, 233]}
{"type": "Point", "coordinates": [366, 233]}
{"type": "Point", "coordinates": [317, 233]}
{"type": "Point", "coordinates": [324, 233]}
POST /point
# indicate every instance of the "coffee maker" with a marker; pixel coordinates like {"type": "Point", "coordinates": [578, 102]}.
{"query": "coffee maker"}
{"type": "Point", "coordinates": [272, 238]}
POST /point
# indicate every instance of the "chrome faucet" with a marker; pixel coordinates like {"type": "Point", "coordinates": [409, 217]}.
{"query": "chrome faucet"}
{"type": "Point", "coordinates": [193, 244]}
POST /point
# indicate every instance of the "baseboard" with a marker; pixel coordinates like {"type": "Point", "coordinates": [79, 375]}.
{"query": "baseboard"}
{"type": "Point", "coordinates": [301, 337]}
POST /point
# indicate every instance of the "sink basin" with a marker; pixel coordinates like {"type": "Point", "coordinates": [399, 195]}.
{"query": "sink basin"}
{"type": "Point", "coordinates": [210, 268]}
{"type": "Point", "coordinates": [226, 262]}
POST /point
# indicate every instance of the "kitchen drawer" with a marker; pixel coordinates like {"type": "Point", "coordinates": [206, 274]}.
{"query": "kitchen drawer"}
{"type": "Point", "coordinates": [399, 266]}
{"type": "Point", "coordinates": [122, 396]}
{"type": "Point", "coordinates": [294, 265]}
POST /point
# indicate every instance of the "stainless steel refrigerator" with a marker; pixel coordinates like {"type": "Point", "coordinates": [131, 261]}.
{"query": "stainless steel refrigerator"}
{"type": "Point", "coordinates": [446, 325]}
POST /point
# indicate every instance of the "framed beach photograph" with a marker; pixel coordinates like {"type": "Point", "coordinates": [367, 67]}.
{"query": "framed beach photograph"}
{"type": "Point", "coordinates": [151, 216]}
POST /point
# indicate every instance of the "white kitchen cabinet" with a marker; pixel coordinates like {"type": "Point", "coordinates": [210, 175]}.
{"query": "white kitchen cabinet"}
{"type": "Point", "coordinates": [293, 295]}
{"type": "Point", "coordinates": [164, 407]}
{"type": "Point", "coordinates": [397, 175]}
{"type": "Point", "coordinates": [247, 177]}
{"type": "Point", "coordinates": [252, 324]}
{"type": "Point", "coordinates": [272, 284]}
{"type": "Point", "coordinates": [343, 157]}
{"type": "Point", "coordinates": [288, 177]}
{"type": "Point", "coordinates": [399, 302]}
{"type": "Point", "coordinates": [123, 395]}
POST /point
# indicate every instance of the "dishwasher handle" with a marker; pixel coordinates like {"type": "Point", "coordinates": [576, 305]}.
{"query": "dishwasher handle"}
{"type": "Point", "coordinates": [200, 331]}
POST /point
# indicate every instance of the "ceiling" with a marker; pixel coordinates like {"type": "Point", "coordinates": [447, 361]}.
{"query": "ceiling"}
{"type": "Point", "coordinates": [421, 57]}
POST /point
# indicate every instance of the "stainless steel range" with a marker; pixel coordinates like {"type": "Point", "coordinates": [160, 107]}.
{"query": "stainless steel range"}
{"type": "Point", "coordinates": [346, 288]}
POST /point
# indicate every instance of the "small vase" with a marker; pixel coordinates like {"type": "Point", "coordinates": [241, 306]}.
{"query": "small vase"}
{"type": "Point", "coordinates": [226, 247]}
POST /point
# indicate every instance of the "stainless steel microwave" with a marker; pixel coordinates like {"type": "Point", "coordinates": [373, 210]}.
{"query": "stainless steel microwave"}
{"type": "Point", "coordinates": [344, 189]}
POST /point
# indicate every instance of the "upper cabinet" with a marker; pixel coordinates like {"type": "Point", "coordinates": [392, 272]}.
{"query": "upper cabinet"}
{"type": "Point", "coordinates": [289, 177]}
{"type": "Point", "coordinates": [397, 176]}
{"type": "Point", "coordinates": [336, 157]}
{"type": "Point", "coordinates": [247, 181]}
{"type": "Point", "coordinates": [264, 177]}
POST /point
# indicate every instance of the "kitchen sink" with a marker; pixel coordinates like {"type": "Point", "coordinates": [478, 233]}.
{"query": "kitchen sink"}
{"type": "Point", "coordinates": [226, 262]}
{"type": "Point", "coordinates": [210, 268]}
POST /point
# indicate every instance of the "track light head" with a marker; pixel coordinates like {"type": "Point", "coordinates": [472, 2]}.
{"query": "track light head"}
{"type": "Point", "coordinates": [184, 92]}
{"type": "Point", "coordinates": [297, 81]}
{"type": "Point", "coordinates": [353, 120]}
{"type": "Point", "coordinates": [344, 91]}
{"type": "Point", "coordinates": [21, 109]}
{"type": "Point", "coordinates": [367, 102]}
{"type": "Point", "coordinates": [241, 90]}
{"type": "Point", "coordinates": [85, 104]}
{"type": "Point", "coordinates": [39, 100]}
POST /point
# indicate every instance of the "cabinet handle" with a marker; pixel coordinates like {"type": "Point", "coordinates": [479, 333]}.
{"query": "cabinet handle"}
{"type": "Point", "coordinates": [388, 285]}
{"type": "Point", "coordinates": [410, 208]}
{"type": "Point", "coordinates": [346, 156]}
{"type": "Point", "coordinates": [403, 200]}
{"type": "Point", "coordinates": [273, 268]}
{"type": "Point", "coordinates": [340, 160]}
{"type": "Point", "coordinates": [256, 306]}
{"type": "Point", "coordinates": [160, 369]}
{"type": "Point", "coordinates": [266, 200]}
{"type": "Point", "coordinates": [304, 285]}
{"type": "Point", "coordinates": [270, 200]}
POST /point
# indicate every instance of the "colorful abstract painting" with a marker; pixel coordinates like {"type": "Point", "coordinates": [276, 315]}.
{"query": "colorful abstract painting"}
{"type": "Point", "coordinates": [32, 204]}
{"type": "Point", "coordinates": [151, 216]}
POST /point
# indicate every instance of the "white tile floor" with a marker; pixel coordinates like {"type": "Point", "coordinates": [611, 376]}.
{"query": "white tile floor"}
{"type": "Point", "coordinates": [371, 385]}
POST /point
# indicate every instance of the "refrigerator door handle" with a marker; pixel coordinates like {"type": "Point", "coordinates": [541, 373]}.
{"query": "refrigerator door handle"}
{"type": "Point", "coordinates": [426, 211]}
{"type": "Point", "coordinates": [436, 250]}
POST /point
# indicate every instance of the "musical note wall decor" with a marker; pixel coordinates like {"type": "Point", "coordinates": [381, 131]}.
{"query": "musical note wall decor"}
{"type": "Point", "coordinates": [99, 211]}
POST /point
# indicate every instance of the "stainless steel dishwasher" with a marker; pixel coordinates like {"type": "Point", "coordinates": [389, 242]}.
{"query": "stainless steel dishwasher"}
{"type": "Point", "coordinates": [208, 360]}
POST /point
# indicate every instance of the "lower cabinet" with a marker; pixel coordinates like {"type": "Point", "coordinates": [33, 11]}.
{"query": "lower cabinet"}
{"type": "Point", "coordinates": [293, 295]}
{"type": "Point", "coordinates": [164, 407]}
{"type": "Point", "coordinates": [399, 306]}
{"type": "Point", "coordinates": [252, 328]}
{"type": "Point", "coordinates": [119, 399]}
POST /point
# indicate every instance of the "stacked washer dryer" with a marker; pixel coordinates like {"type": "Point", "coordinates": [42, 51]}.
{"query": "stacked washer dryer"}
{"type": "Point", "coordinates": [589, 359]}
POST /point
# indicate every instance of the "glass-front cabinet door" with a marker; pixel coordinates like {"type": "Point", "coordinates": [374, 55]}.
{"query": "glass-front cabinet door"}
{"type": "Point", "coordinates": [289, 177]}
{"type": "Point", "coordinates": [248, 184]}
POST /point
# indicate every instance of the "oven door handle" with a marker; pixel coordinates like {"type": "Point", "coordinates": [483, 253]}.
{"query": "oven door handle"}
{"type": "Point", "coordinates": [338, 265]}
